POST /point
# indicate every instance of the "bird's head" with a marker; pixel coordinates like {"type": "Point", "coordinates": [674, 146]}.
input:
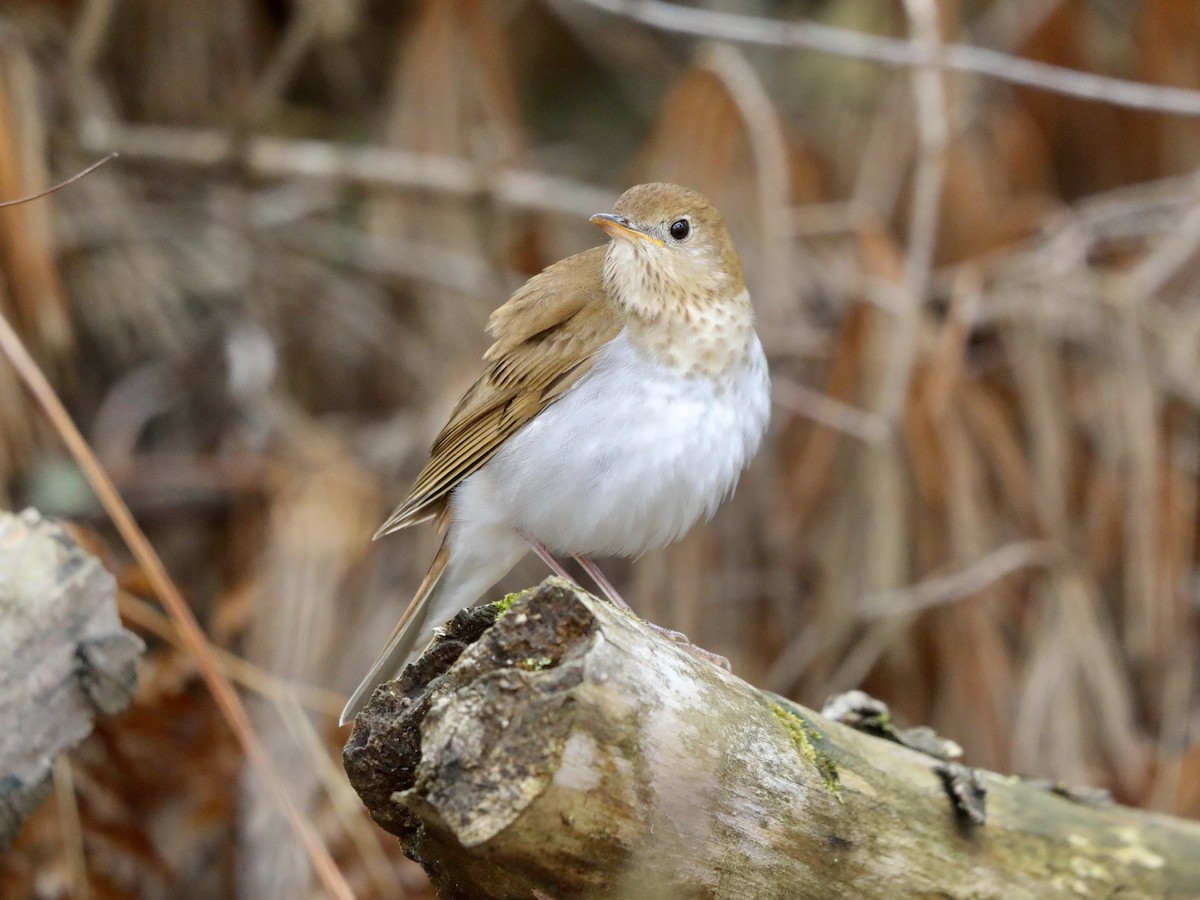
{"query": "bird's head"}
{"type": "Point", "coordinates": [671, 252]}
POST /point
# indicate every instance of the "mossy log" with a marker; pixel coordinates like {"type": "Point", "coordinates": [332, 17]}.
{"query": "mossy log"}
{"type": "Point", "coordinates": [558, 747]}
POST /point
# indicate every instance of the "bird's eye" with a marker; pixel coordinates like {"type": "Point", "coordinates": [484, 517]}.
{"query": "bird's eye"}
{"type": "Point", "coordinates": [680, 229]}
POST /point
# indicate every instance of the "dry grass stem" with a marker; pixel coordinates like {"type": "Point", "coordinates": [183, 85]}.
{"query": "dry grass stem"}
{"type": "Point", "coordinates": [189, 629]}
{"type": "Point", "coordinates": [978, 296]}
{"type": "Point", "coordinates": [723, 26]}
{"type": "Point", "coordinates": [254, 678]}
{"type": "Point", "coordinates": [929, 92]}
{"type": "Point", "coordinates": [345, 802]}
{"type": "Point", "coordinates": [968, 581]}
{"type": "Point", "coordinates": [72, 827]}
{"type": "Point", "coordinates": [62, 184]}
{"type": "Point", "coordinates": [373, 167]}
{"type": "Point", "coordinates": [802, 400]}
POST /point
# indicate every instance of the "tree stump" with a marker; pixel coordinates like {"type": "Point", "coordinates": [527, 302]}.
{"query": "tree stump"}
{"type": "Point", "coordinates": [557, 747]}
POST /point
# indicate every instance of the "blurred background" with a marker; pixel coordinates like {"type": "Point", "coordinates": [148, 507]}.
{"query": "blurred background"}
{"type": "Point", "coordinates": [980, 300]}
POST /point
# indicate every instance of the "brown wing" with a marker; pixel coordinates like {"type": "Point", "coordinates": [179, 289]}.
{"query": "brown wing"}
{"type": "Point", "coordinates": [546, 339]}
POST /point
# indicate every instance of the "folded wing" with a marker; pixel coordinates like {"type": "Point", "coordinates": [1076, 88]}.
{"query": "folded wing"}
{"type": "Point", "coordinates": [547, 336]}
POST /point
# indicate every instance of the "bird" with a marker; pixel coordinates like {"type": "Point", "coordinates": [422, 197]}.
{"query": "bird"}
{"type": "Point", "coordinates": [624, 394]}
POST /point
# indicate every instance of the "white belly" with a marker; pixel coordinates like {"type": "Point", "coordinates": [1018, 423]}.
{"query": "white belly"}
{"type": "Point", "coordinates": [626, 461]}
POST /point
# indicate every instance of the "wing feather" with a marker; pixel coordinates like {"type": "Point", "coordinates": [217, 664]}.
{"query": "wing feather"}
{"type": "Point", "coordinates": [546, 339]}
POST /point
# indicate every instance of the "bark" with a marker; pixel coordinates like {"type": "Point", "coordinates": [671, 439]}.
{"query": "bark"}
{"type": "Point", "coordinates": [567, 750]}
{"type": "Point", "coordinates": [64, 657]}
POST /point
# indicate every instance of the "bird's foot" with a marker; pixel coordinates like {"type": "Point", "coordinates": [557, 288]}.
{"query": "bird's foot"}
{"type": "Point", "coordinates": [614, 597]}
{"type": "Point", "coordinates": [678, 637]}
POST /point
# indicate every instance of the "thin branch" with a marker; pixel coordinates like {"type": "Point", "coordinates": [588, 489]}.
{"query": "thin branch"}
{"type": "Point", "coordinates": [898, 52]}
{"type": "Point", "coordinates": [304, 26]}
{"type": "Point", "coordinates": [1177, 247]}
{"type": "Point", "coordinates": [802, 400]}
{"type": "Point", "coordinates": [62, 184]}
{"type": "Point", "coordinates": [768, 146]}
{"type": "Point", "coordinates": [192, 634]}
{"type": "Point", "coordinates": [971, 579]}
{"type": "Point", "coordinates": [929, 92]}
{"type": "Point", "coordinates": [369, 166]}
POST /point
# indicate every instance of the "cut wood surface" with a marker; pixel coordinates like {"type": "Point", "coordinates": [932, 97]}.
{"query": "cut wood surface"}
{"type": "Point", "coordinates": [557, 747]}
{"type": "Point", "coordinates": [64, 657]}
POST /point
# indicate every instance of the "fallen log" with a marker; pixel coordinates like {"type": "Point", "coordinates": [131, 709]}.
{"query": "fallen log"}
{"type": "Point", "coordinates": [553, 746]}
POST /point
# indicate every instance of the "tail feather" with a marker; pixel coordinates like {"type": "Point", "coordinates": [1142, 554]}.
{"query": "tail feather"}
{"type": "Point", "coordinates": [402, 644]}
{"type": "Point", "coordinates": [474, 555]}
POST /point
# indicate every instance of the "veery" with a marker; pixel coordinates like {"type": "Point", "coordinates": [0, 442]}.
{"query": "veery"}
{"type": "Point", "coordinates": [624, 394]}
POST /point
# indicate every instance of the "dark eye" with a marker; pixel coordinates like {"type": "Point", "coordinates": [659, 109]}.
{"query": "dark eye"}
{"type": "Point", "coordinates": [680, 229]}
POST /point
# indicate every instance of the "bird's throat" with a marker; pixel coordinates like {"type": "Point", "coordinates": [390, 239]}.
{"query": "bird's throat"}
{"type": "Point", "coordinates": [714, 341]}
{"type": "Point", "coordinates": [687, 311]}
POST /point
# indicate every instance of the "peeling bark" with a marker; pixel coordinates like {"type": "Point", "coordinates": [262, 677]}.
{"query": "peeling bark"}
{"type": "Point", "coordinates": [567, 750]}
{"type": "Point", "coordinates": [64, 657]}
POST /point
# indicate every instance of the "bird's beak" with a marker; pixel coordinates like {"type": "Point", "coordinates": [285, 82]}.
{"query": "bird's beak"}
{"type": "Point", "coordinates": [619, 227]}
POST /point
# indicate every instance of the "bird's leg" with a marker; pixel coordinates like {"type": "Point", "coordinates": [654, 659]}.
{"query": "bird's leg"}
{"type": "Point", "coordinates": [606, 586]}
{"type": "Point", "coordinates": [614, 597]}
{"type": "Point", "coordinates": [548, 558]}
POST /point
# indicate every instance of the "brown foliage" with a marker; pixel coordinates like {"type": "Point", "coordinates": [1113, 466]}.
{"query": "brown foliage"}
{"type": "Point", "coordinates": [261, 355]}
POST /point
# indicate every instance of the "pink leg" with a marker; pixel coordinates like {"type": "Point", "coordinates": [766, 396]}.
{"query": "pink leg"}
{"type": "Point", "coordinates": [548, 558]}
{"type": "Point", "coordinates": [606, 586]}
{"type": "Point", "coordinates": [614, 597]}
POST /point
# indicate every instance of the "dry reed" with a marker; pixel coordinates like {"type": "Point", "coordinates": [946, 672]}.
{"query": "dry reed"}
{"type": "Point", "coordinates": [981, 300]}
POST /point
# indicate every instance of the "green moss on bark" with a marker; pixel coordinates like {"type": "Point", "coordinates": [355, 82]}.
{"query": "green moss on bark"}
{"type": "Point", "coordinates": [805, 739]}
